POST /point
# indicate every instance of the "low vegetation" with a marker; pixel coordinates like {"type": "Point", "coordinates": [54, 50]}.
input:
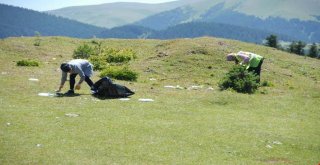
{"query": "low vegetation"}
{"type": "Point", "coordinates": [119, 73]}
{"type": "Point", "coordinates": [27, 63]}
{"type": "Point", "coordinates": [111, 62]}
{"type": "Point", "coordinates": [240, 80]}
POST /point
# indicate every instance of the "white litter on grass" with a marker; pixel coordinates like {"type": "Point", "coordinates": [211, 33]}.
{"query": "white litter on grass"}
{"type": "Point", "coordinates": [210, 88]}
{"type": "Point", "coordinates": [269, 146]}
{"type": "Point", "coordinates": [173, 87]}
{"type": "Point", "coordinates": [33, 79]}
{"type": "Point", "coordinates": [8, 124]}
{"type": "Point", "coordinates": [4, 73]}
{"type": "Point", "coordinates": [195, 87]}
{"type": "Point", "coordinates": [169, 86]}
{"type": "Point", "coordinates": [153, 79]}
{"type": "Point", "coordinates": [146, 100]}
{"type": "Point", "coordinates": [39, 145]}
{"type": "Point", "coordinates": [72, 115]}
{"type": "Point", "coordinates": [277, 142]}
{"type": "Point", "coordinates": [45, 94]}
{"type": "Point", "coordinates": [124, 99]}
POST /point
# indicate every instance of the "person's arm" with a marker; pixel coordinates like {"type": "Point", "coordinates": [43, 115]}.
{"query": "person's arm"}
{"type": "Point", "coordinates": [63, 80]}
{"type": "Point", "coordinates": [243, 57]}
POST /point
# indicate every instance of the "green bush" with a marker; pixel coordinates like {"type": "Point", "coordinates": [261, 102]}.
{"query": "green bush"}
{"type": "Point", "coordinates": [99, 62]}
{"type": "Point", "coordinates": [119, 73]}
{"type": "Point", "coordinates": [240, 80]}
{"type": "Point", "coordinates": [119, 55]}
{"type": "Point", "coordinates": [83, 52]}
{"type": "Point", "coordinates": [266, 84]}
{"type": "Point", "coordinates": [27, 63]}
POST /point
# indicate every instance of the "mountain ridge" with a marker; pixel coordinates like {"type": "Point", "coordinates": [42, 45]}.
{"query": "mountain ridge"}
{"type": "Point", "coordinates": [114, 14]}
{"type": "Point", "coordinates": [16, 21]}
{"type": "Point", "coordinates": [303, 10]}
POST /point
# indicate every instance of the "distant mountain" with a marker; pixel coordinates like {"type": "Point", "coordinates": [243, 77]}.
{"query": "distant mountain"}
{"type": "Point", "coordinates": [190, 30]}
{"type": "Point", "coordinates": [15, 21]}
{"type": "Point", "coordinates": [111, 15]}
{"type": "Point", "coordinates": [128, 32]}
{"type": "Point", "coordinates": [298, 19]}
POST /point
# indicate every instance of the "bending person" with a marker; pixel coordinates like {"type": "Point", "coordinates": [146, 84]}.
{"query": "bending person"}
{"type": "Point", "coordinates": [253, 62]}
{"type": "Point", "coordinates": [80, 67]}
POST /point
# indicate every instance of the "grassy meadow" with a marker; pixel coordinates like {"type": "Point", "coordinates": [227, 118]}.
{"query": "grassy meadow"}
{"type": "Point", "coordinates": [279, 124]}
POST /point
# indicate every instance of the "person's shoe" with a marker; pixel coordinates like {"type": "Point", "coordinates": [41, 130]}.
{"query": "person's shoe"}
{"type": "Point", "coordinates": [69, 93]}
{"type": "Point", "coordinates": [94, 91]}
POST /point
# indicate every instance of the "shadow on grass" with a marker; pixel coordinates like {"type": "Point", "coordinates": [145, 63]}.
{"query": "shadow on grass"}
{"type": "Point", "coordinates": [67, 95]}
{"type": "Point", "coordinates": [107, 97]}
{"type": "Point", "coordinates": [93, 95]}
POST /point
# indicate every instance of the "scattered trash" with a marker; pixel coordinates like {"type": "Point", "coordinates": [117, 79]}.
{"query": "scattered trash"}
{"type": "Point", "coordinates": [124, 99]}
{"type": "Point", "coordinates": [33, 79]}
{"type": "Point", "coordinates": [4, 73]}
{"type": "Point", "coordinates": [173, 87]}
{"type": "Point", "coordinates": [153, 79]}
{"type": "Point", "coordinates": [195, 87]}
{"type": "Point", "coordinates": [146, 100]}
{"type": "Point", "coordinates": [210, 88]}
{"type": "Point", "coordinates": [72, 115]}
{"type": "Point", "coordinates": [269, 146]}
{"type": "Point", "coordinates": [169, 86]}
{"type": "Point", "coordinates": [45, 94]}
{"type": "Point", "coordinates": [39, 145]}
{"type": "Point", "coordinates": [8, 124]}
{"type": "Point", "coordinates": [277, 142]}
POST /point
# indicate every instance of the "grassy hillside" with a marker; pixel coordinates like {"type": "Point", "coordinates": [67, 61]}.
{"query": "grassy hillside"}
{"type": "Point", "coordinates": [277, 125]}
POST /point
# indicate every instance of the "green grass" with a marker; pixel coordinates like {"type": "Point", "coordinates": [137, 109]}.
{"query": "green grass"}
{"type": "Point", "coordinates": [181, 126]}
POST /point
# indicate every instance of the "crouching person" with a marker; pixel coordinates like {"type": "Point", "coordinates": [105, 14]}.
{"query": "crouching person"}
{"type": "Point", "coordinates": [80, 67]}
{"type": "Point", "coordinates": [253, 62]}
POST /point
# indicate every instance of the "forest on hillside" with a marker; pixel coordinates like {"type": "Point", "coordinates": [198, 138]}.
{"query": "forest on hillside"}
{"type": "Point", "coordinates": [23, 22]}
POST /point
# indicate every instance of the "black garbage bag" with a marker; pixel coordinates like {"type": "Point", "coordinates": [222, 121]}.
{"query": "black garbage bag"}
{"type": "Point", "coordinates": [107, 89]}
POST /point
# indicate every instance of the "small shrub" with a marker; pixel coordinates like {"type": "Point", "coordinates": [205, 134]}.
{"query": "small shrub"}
{"type": "Point", "coordinates": [240, 80]}
{"type": "Point", "coordinates": [99, 62]}
{"type": "Point", "coordinates": [37, 41]}
{"type": "Point", "coordinates": [27, 63]}
{"type": "Point", "coordinates": [83, 52]}
{"type": "Point", "coordinates": [119, 55]}
{"type": "Point", "coordinates": [119, 73]}
{"type": "Point", "coordinates": [266, 84]}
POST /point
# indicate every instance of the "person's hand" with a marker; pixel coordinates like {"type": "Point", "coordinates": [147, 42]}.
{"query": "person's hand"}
{"type": "Point", "coordinates": [78, 86]}
{"type": "Point", "coordinates": [59, 90]}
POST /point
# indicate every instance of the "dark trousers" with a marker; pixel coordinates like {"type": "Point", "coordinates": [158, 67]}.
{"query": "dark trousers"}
{"type": "Point", "coordinates": [73, 81]}
{"type": "Point", "coordinates": [256, 70]}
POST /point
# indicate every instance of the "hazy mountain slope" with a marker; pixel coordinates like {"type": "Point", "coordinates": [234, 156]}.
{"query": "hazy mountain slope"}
{"type": "Point", "coordinates": [289, 9]}
{"type": "Point", "coordinates": [115, 14]}
{"type": "Point", "coordinates": [190, 30]}
{"type": "Point", "coordinates": [233, 12]}
{"type": "Point", "coordinates": [22, 22]}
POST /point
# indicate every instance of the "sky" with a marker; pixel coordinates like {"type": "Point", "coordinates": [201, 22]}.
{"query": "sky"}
{"type": "Point", "coordinates": [44, 5]}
